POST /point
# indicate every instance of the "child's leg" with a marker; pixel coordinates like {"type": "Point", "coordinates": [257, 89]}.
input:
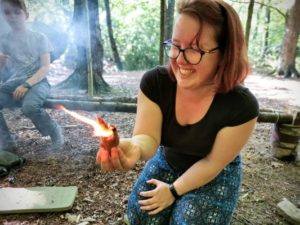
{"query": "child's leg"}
{"type": "Point", "coordinates": [156, 168]}
{"type": "Point", "coordinates": [32, 107]}
{"type": "Point", "coordinates": [214, 203]}
{"type": "Point", "coordinates": [7, 142]}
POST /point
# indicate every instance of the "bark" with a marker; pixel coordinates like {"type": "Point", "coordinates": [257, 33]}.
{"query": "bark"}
{"type": "Point", "coordinates": [274, 117]}
{"type": "Point", "coordinates": [249, 19]}
{"type": "Point", "coordinates": [78, 79]}
{"type": "Point", "coordinates": [289, 46]}
{"type": "Point", "coordinates": [169, 20]}
{"type": "Point", "coordinates": [266, 31]}
{"type": "Point", "coordinates": [113, 44]}
{"type": "Point", "coordinates": [257, 24]}
{"type": "Point", "coordinates": [92, 105]}
{"type": "Point", "coordinates": [162, 30]}
{"type": "Point", "coordinates": [93, 99]}
{"type": "Point", "coordinates": [96, 48]}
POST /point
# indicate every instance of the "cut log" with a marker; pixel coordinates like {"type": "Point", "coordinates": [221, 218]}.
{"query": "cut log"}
{"type": "Point", "coordinates": [289, 211]}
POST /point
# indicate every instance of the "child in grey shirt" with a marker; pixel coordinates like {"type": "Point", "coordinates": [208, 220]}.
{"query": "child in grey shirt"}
{"type": "Point", "coordinates": [26, 56]}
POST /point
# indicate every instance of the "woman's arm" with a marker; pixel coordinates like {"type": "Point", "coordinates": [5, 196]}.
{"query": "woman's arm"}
{"type": "Point", "coordinates": [144, 142]}
{"type": "Point", "coordinates": [228, 143]}
{"type": "Point", "coordinates": [147, 129]}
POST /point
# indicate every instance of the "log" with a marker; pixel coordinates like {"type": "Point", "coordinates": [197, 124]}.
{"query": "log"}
{"type": "Point", "coordinates": [92, 99]}
{"type": "Point", "coordinates": [274, 117]}
{"type": "Point", "coordinates": [289, 211]}
{"type": "Point", "coordinates": [64, 127]}
{"type": "Point", "coordinates": [92, 106]}
{"type": "Point", "coordinates": [297, 119]}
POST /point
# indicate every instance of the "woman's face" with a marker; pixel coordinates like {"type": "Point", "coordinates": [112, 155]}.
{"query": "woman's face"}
{"type": "Point", "coordinates": [190, 76]}
{"type": "Point", "coordinates": [14, 16]}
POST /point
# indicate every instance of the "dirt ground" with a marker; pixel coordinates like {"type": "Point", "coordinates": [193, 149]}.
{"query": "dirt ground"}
{"type": "Point", "coordinates": [102, 197]}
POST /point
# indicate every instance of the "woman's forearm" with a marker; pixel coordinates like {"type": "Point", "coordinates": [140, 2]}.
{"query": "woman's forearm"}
{"type": "Point", "coordinates": [146, 144]}
{"type": "Point", "coordinates": [201, 173]}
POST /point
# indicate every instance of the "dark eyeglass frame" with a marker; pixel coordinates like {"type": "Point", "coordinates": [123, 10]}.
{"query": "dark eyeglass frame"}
{"type": "Point", "coordinates": [201, 52]}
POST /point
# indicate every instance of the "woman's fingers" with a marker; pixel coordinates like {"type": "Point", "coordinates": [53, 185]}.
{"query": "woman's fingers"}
{"type": "Point", "coordinates": [115, 159]}
{"type": "Point", "coordinates": [105, 161]}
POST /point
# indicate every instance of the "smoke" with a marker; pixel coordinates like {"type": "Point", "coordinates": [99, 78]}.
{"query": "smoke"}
{"type": "Point", "coordinates": [4, 28]}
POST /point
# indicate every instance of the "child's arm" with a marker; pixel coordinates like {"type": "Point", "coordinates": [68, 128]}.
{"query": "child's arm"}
{"type": "Point", "coordinates": [42, 72]}
{"type": "Point", "coordinates": [37, 77]}
{"type": "Point", "coordinates": [3, 60]}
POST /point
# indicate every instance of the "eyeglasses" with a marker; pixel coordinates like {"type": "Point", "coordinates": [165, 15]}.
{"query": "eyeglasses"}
{"type": "Point", "coordinates": [191, 55]}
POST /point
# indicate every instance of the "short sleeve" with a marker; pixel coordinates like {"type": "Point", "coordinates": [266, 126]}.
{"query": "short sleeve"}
{"type": "Point", "coordinates": [244, 107]}
{"type": "Point", "coordinates": [45, 46]}
{"type": "Point", "coordinates": [150, 84]}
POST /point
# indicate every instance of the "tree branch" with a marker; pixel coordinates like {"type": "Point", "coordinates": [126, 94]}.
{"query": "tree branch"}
{"type": "Point", "coordinates": [263, 4]}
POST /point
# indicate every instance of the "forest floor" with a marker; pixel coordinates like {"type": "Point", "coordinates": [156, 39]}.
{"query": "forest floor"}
{"type": "Point", "coordinates": [102, 197]}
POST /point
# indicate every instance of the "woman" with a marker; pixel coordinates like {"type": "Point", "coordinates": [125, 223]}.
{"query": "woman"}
{"type": "Point", "coordinates": [198, 115]}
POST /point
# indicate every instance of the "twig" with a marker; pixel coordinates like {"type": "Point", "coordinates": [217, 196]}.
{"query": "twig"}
{"type": "Point", "coordinates": [243, 220]}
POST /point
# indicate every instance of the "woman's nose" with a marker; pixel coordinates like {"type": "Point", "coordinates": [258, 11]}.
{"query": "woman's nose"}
{"type": "Point", "coordinates": [180, 59]}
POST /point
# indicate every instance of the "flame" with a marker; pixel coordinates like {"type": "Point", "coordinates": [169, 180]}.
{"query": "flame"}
{"type": "Point", "coordinates": [100, 129]}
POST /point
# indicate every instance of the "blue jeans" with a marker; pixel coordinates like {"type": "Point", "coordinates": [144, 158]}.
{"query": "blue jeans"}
{"type": "Point", "coordinates": [32, 105]}
{"type": "Point", "coordinates": [213, 203]}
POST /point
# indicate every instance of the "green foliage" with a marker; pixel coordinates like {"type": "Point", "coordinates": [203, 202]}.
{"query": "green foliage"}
{"type": "Point", "coordinates": [265, 59]}
{"type": "Point", "coordinates": [57, 14]}
{"type": "Point", "coordinates": [136, 30]}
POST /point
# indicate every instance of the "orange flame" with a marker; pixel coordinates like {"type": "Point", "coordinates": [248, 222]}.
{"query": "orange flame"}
{"type": "Point", "coordinates": [100, 129]}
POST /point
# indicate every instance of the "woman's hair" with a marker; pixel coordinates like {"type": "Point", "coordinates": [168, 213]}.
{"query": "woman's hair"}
{"type": "Point", "coordinates": [18, 3]}
{"type": "Point", "coordinates": [225, 21]}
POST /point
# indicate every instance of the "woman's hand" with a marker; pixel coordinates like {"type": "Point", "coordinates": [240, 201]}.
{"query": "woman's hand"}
{"type": "Point", "coordinates": [19, 92]}
{"type": "Point", "coordinates": [122, 157]}
{"type": "Point", "coordinates": [157, 199]}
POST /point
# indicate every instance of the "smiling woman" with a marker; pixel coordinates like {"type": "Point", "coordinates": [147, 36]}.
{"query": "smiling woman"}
{"type": "Point", "coordinates": [188, 117]}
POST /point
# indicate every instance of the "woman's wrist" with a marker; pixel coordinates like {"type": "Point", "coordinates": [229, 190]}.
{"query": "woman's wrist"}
{"type": "Point", "coordinates": [173, 191]}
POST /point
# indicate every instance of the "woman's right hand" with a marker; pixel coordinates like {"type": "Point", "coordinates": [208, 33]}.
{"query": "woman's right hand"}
{"type": "Point", "coordinates": [123, 157]}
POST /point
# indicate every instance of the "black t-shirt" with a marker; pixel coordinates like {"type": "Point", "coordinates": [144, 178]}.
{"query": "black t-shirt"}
{"type": "Point", "coordinates": [185, 145]}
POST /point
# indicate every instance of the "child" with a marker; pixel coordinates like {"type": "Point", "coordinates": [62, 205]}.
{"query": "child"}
{"type": "Point", "coordinates": [26, 55]}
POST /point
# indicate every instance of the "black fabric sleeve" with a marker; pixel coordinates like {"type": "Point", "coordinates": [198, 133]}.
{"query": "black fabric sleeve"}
{"type": "Point", "coordinates": [244, 107]}
{"type": "Point", "coordinates": [152, 83]}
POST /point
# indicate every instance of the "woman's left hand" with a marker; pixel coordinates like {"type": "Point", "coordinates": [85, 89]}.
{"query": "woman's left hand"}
{"type": "Point", "coordinates": [157, 199]}
{"type": "Point", "coordinates": [20, 92]}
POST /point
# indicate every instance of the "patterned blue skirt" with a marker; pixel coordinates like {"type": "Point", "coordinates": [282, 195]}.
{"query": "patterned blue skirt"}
{"type": "Point", "coordinates": [213, 203]}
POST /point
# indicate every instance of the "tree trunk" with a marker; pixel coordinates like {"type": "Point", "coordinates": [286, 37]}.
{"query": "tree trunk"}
{"type": "Point", "coordinates": [249, 19]}
{"type": "Point", "coordinates": [258, 14]}
{"type": "Point", "coordinates": [78, 79]}
{"type": "Point", "coordinates": [266, 30]}
{"type": "Point", "coordinates": [289, 45]}
{"type": "Point", "coordinates": [96, 47]}
{"type": "Point", "coordinates": [113, 45]}
{"type": "Point", "coordinates": [169, 20]}
{"type": "Point", "coordinates": [162, 30]}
